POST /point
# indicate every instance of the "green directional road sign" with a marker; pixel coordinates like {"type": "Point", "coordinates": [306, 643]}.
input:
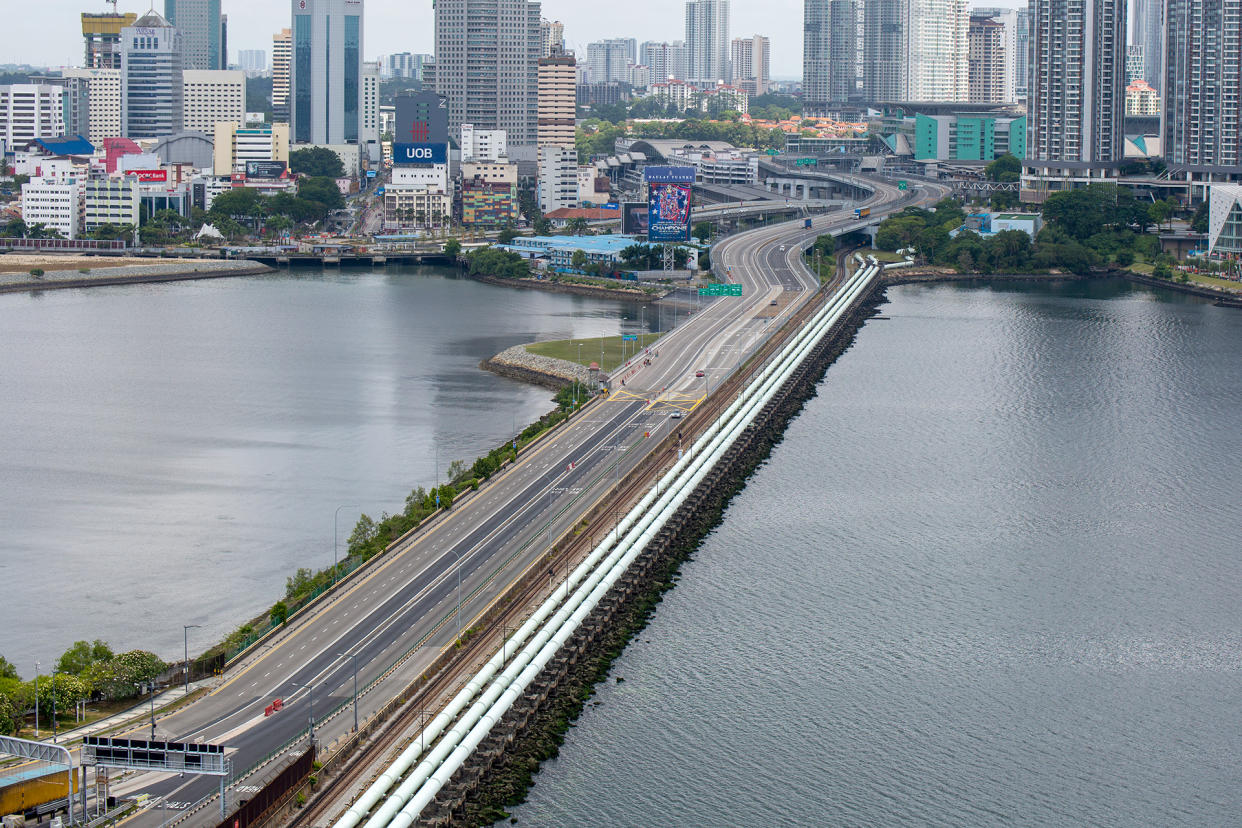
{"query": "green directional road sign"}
{"type": "Point", "coordinates": [901, 185]}
{"type": "Point", "coordinates": [806, 162]}
{"type": "Point", "coordinates": [720, 290]}
{"type": "Point", "coordinates": [774, 152]}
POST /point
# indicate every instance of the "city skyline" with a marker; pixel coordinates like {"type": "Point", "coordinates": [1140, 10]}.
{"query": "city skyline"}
{"type": "Point", "coordinates": [54, 38]}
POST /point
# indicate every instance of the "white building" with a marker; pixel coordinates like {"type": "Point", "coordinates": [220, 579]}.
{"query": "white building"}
{"type": "Point", "coordinates": [680, 94]}
{"type": "Point", "coordinates": [483, 144]}
{"type": "Point", "coordinates": [235, 145]}
{"type": "Point", "coordinates": [212, 96]}
{"type": "Point", "coordinates": [252, 61]}
{"type": "Point", "coordinates": [112, 200]}
{"type": "Point", "coordinates": [558, 178]}
{"type": "Point", "coordinates": [750, 64]}
{"type": "Point", "coordinates": [587, 194]}
{"type": "Point", "coordinates": [103, 102]}
{"type": "Point", "coordinates": [1225, 219]}
{"type": "Point", "coordinates": [938, 66]}
{"type": "Point", "coordinates": [152, 90]}
{"type": "Point", "coordinates": [282, 57]}
{"type": "Point", "coordinates": [409, 207]}
{"type": "Point", "coordinates": [29, 111]}
{"type": "Point", "coordinates": [707, 41]}
{"type": "Point", "coordinates": [56, 204]}
{"type": "Point", "coordinates": [370, 134]}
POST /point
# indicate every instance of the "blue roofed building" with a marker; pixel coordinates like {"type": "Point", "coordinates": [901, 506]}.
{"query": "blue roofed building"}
{"type": "Point", "coordinates": [558, 251]}
{"type": "Point", "coordinates": [66, 146]}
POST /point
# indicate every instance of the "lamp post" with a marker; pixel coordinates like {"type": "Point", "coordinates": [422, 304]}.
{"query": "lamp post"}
{"type": "Point", "coordinates": [576, 375]}
{"type": "Point", "coordinates": [335, 517]}
{"type": "Point", "coordinates": [185, 633]}
{"type": "Point", "coordinates": [36, 700]}
{"type": "Point", "coordinates": [354, 656]}
{"type": "Point", "coordinates": [310, 689]}
{"type": "Point", "coordinates": [54, 708]}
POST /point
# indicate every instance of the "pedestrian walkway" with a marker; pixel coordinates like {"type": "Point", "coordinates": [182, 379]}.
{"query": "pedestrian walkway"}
{"type": "Point", "coordinates": [139, 713]}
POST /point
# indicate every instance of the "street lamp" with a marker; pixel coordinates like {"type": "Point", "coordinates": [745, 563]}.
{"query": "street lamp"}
{"type": "Point", "coordinates": [185, 633]}
{"type": "Point", "coordinates": [335, 517]}
{"type": "Point", "coordinates": [36, 700]}
{"type": "Point", "coordinates": [310, 689]}
{"type": "Point", "coordinates": [354, 656]}
{"type": "Point", "coordinates": [139, 685]}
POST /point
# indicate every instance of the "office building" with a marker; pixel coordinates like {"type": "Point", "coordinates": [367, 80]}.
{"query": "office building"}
{"type": "Point", "coordinates": [210, 96]}
{"type": "Point", "coordinates": [102, 33]}
{"type": "Point", "coordinates": [282, 58]}
{"type": "Point", "coordinates": [407, 65]}
{"type": "Point", "coordinates": [421, 118]}
{"type": "Point", "coordinates": [370, 108]}
{"type": "Point", "coordinates": [488, 194]}
{"type": "Point", "coordinates": [152, 84]}
{"type": "Point", "coordinates": [56, 203]}
{"type": "Point", "coordinates": [988, 74]}
{"type": "Point", "coordinates": [750, 60]}
{"type": "Point", "coordinates": [967, 137]}
{"type": "Point", "coordinates": [487, 54]}
{"type": "Point", "coordinates": [607, 60]}
{"type": "Point", "coordinates": [551, 37]}
{"type": "Point", "coordinates": [557, 100]}
{"type": "Point", "coordinates": [326, 72]}
{"type": "Point", "coordinates": [558, 178]}
{"type": "Point", "coordinates": [234, 145]}
{"type": "Point", "coordinates": [829, 53]}
{"type": "Point", "coordinates": [202, 32]}
{"type": "Point", "coordinates": [1202, 118]}
{"type": "Point", "coordinates": [252, 61]}
{"type": "Point", "coordinates": [483, 144]}
{"type": "Point", "coordinates": [75, 100]}
{"type": "Point", "coordinates": [664, 61]}
{"type": "Point", "coordinates": [1076, 103]}
{"type": "Point", "coordinates": [707, 42]}
{"type": "Point", "coordinates": [29, 111]}
{"type": "Point", "coordinates": [1022, 53]}
{"type": "Point", "coordinates": [938, 60]}
{"type": "Point", "coordinates": [1148, 32]}
{"type": "Point", "coordinates": [110, 200]}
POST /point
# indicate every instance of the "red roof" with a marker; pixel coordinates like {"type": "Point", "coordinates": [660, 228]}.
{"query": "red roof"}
{"type": "Point", "coordinates": [588, 213]}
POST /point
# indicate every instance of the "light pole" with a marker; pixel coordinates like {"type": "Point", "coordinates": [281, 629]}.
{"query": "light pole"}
{"type": "Point", "coordinates": [138, 685]}
{"type": "Point", "coordinates": [185, 632]}
{"type": "Point", "coordinates": [310, 689]}
{"type": "Point", "coordinates": [54, 708]}
{"type": "Point", "coordinates": [576, 376]}
{"type": "Point", "coordinates": [36, 700]}
{"type": "Point", "coordinates": [336, 516]}
{"type": "Point", "coordinates": [354, 656]}
{"type": "Point", "coordinates": [642, 321]}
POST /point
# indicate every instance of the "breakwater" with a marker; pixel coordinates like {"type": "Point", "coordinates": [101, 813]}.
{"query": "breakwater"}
{"type": "Point", "coordinates": [129, 274]}
{"type": "Point", "coordinates": [519, 364]}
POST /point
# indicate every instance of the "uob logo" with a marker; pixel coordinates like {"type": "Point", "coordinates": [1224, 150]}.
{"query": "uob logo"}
{"type": "Point", "coordinates": [418, 153]}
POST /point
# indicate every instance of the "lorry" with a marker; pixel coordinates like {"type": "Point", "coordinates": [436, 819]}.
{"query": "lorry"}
{"type": "Point", "coordinates": [862, 212]}
{"type": "Point", "coordinates": [807, 224]}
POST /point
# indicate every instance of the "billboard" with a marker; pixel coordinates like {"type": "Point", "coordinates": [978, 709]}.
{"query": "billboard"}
{"type": "Point", "coordinates": [150, 175]}
{"type": "Point", "coordinates": [634, 218]}
{"type": "Point", "coordinates": [424, 155]}
{"type": "Point", "coordinates": [668, 203]}
{"type": "Point", "coordinates": [265, 169]}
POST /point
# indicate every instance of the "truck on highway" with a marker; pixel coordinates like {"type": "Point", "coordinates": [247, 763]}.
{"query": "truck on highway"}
{"type": "Point", "coordinates": [807, 223]}
{"type": "Point", "coordinates": [862, 212]}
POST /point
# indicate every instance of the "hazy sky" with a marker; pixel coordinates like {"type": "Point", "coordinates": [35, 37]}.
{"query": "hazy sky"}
{"type": "Point", "coordinates": [49, 32]}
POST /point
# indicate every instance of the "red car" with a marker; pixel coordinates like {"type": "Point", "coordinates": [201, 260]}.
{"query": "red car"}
{"type": "Point", "coordinates": [698, 373]}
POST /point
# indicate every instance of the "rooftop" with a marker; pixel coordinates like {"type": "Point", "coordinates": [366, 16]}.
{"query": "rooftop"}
{"type": "Point", "coordinates": [610, 244]}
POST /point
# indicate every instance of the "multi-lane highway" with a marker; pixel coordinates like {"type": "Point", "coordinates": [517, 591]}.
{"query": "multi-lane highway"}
{"type": "Point", "coordinates": [399, 615]}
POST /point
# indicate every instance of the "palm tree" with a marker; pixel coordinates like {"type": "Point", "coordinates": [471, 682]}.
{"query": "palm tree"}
{"type": "Point", "coordinates": [578, 226]}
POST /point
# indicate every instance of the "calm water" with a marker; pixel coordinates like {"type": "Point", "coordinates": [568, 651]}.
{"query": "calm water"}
{"type": "Point", "coordinates": [991, 577]}
{"type": "Point", "coordinates": [169, 454]}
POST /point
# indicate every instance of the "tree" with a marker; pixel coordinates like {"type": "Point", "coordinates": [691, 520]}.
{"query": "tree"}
{"type": "Point", "coordinates": [506, 235]}
{"type": "Point", "coordinates": [702, 231]}
{"type": "Point", "coordinates": [321, 190]}
{"type": "Point", "coordinates": [82, 655]}
{"type": "Point", "coordinates": [59, 692]}
{"type": "Point", "coordinates": [241, 202]}
{"type": "Point", "coordinates": [1158, 212]}
{"type": "Point", "coordinates": [316, 161]}
{"type": "Point", "coordinates": [1007, 169]}
{"type": "Point", "coordinates": [15, 229]}
{"type": "Point", "coordinates": [452, 248]}
{"type": "Point", "coordinates": [364, 532]}
{"type": "Point", "coordinates": [542, 226]}
{"type": "Point", "coordinates": [1080, 213]}
{"type": "Point", "coordinates": [279, 613]}
{"type": "Point", "coordinates": [1199, 224]}
{"type": "Point", "coordinates": [7, 670]}
{"type": "Point", "coordinates": [577, 226]}
{"type": "Point", "coordinates": [578, 260]}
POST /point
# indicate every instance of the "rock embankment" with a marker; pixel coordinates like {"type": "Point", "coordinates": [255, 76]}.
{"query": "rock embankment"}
{"type": "Point", "coordinates": [165, 271]}
{"type": "Point", "coordinates": [520, 364]}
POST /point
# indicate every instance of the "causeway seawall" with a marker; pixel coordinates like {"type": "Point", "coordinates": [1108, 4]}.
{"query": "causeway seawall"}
{"type": "Point", "coordinates": [519, 364]}
{"type": "Point", "coordinates": [173, 271]}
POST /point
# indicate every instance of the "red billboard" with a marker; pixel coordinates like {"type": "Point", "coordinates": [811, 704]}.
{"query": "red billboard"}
{"type": "Point", "coordinates": [150, 175]}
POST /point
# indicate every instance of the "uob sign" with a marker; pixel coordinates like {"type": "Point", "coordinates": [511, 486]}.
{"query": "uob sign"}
{"type": "Point", "coordinates": [420, 154]}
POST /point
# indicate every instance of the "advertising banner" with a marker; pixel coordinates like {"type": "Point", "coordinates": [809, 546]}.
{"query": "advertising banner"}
{"type": "Point", "coordinates": [265, 169]}
{"type": "Point", "coordinates": [150, 175]}
{"type": "Point", "coordinates": [634, 218]}
{"type": "Point", "coordinates": [668, 213]}
{"type": "Point", "coordinates": [422, 155]}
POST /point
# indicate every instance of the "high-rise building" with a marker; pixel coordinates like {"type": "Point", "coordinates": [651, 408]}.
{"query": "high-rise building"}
{"type": "Point", "coordinates": [557, 100]}
{"type": "Point", "coordinates": [937, 62]}
{"type": "Point", "coordinates": [1141, 100]}
{"type": "Point", "coordinates": [421, 118]}
{"type": "Point", "coordinates": [407, 65]}
{"type": "Point", "coordinates": [1076, 103]}
{"type": "Point", "coordinates": [483, 144]}
{"type": "Point", "coordinates": [558, 178]}
{"type": "Point", "coordinates": [487, 54]}
{"type": "Point", "coordinates": [1022, 53]}
{"type": "Point", "coordinates": [282, 59]}
{"type": "Point", "coordinates": [202, 32]}
{"type": "Point", "coordinates": [152, 86]}
{"type": "Point", "coordinates": [103, 102]}
{"type": "Point", "coordinates": [102, 33]}
{"type": "Point", "coordinates": [1135, 67]}
{"type": "Point", "coordinates": [236, 144]}
{"type": "Point", "coordinates": [325, 80]}
{"type": "Point", "coordinates": [110, 200]}
{"type": "Point", "coordinates": [989, 71]}
{"type": "Point", "coordinates": [750, 62]}
{"type": "Point", "coordinates": [370, 130]}
{"type": "Point", "coordinates": [551, 37]}
{"type": "Point", "coordinates": [607, 60]}
{"type": "Point", "coordinates": [886, 31]}
{"type": "Point", "coordinates": [56, 203]}
{"type": "Point", "coordinates": [29, 111]}
{"type": "Point", "coordinates": [252, 61]}
{"type": "Point", "coordinates": [210, 96]}
{"type": "Point", "coordinates": [829, 52]}
{"type": "Point", "coordinates": [664, 60]}
{"type": "Point", "coordinates": [1203, 77]}
{"type": "Point", "coordinates": [1008, 18]}
{"type": "Point", "coordinates": [707, 42]}
{"type": "Point", "coordinates": [1148, 31]}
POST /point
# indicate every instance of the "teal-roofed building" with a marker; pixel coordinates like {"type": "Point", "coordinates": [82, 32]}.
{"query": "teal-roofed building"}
{"type": "Point", "coordinates": [968, 137]}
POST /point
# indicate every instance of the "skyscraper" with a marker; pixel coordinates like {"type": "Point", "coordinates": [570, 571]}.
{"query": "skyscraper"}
{"type": "Point", "coordinates": [886, 32]}
{"type": "Point", "coordinates": [1022, 54]}
{"type": "Point", "coordinates": [665, 60]}
{"type": "Point", "coordinates": [750, 63]}
{"type": "Point", "coordinates": [1202, 82]}
{"type": "Point", "coordinates": [102, 33]}
{"type": "Point", "coordinates": [551, 37]}
{"type": "Point", "coordinates": [829, 52]}
{"type": "Point", "coordinates": [152, 86]}
{"type": "Point", "coordinates": [990, 58]}
{"type": "Point", "coordinates": [487, 54]}
{"type": "Point", "coordinates": [707, 42]}
{"type": "Point", "coordinates": [282, 57]}
{"type": "Point", "coordinates": [558, 77]}
{"type": "Point", "coordinates": [202, 32]}
{"type": "Point", "coordinates": [1147, 30]}
{"type": "Point", "coordinates": [1077, 93]}
{"type": "Point", "coordinates": [608, 59]}
{"type": "Point", "coordinates": [937, 59]}
{"type": "Point", "coordinates": [326, 72]}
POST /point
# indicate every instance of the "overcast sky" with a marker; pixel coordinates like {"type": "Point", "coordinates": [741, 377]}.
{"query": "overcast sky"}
{"type": "Point", "coordinates": [49, 32]}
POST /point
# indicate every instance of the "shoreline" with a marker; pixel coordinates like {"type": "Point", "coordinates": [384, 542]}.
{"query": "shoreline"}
{"type": "Point", "coordinates": [517, 363]}
{"type": "Point", "coordinates": [580, 290]}
{"type": "Point", "coordinates": [16, 282]}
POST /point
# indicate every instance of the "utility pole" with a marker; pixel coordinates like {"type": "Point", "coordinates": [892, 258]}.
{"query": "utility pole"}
{"type": "Point", "coordinates": [186, 635]}
{"type": "Point", "coordinates": [36, 700]}
{"type": "Point", "coordinates": [354, 656]}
